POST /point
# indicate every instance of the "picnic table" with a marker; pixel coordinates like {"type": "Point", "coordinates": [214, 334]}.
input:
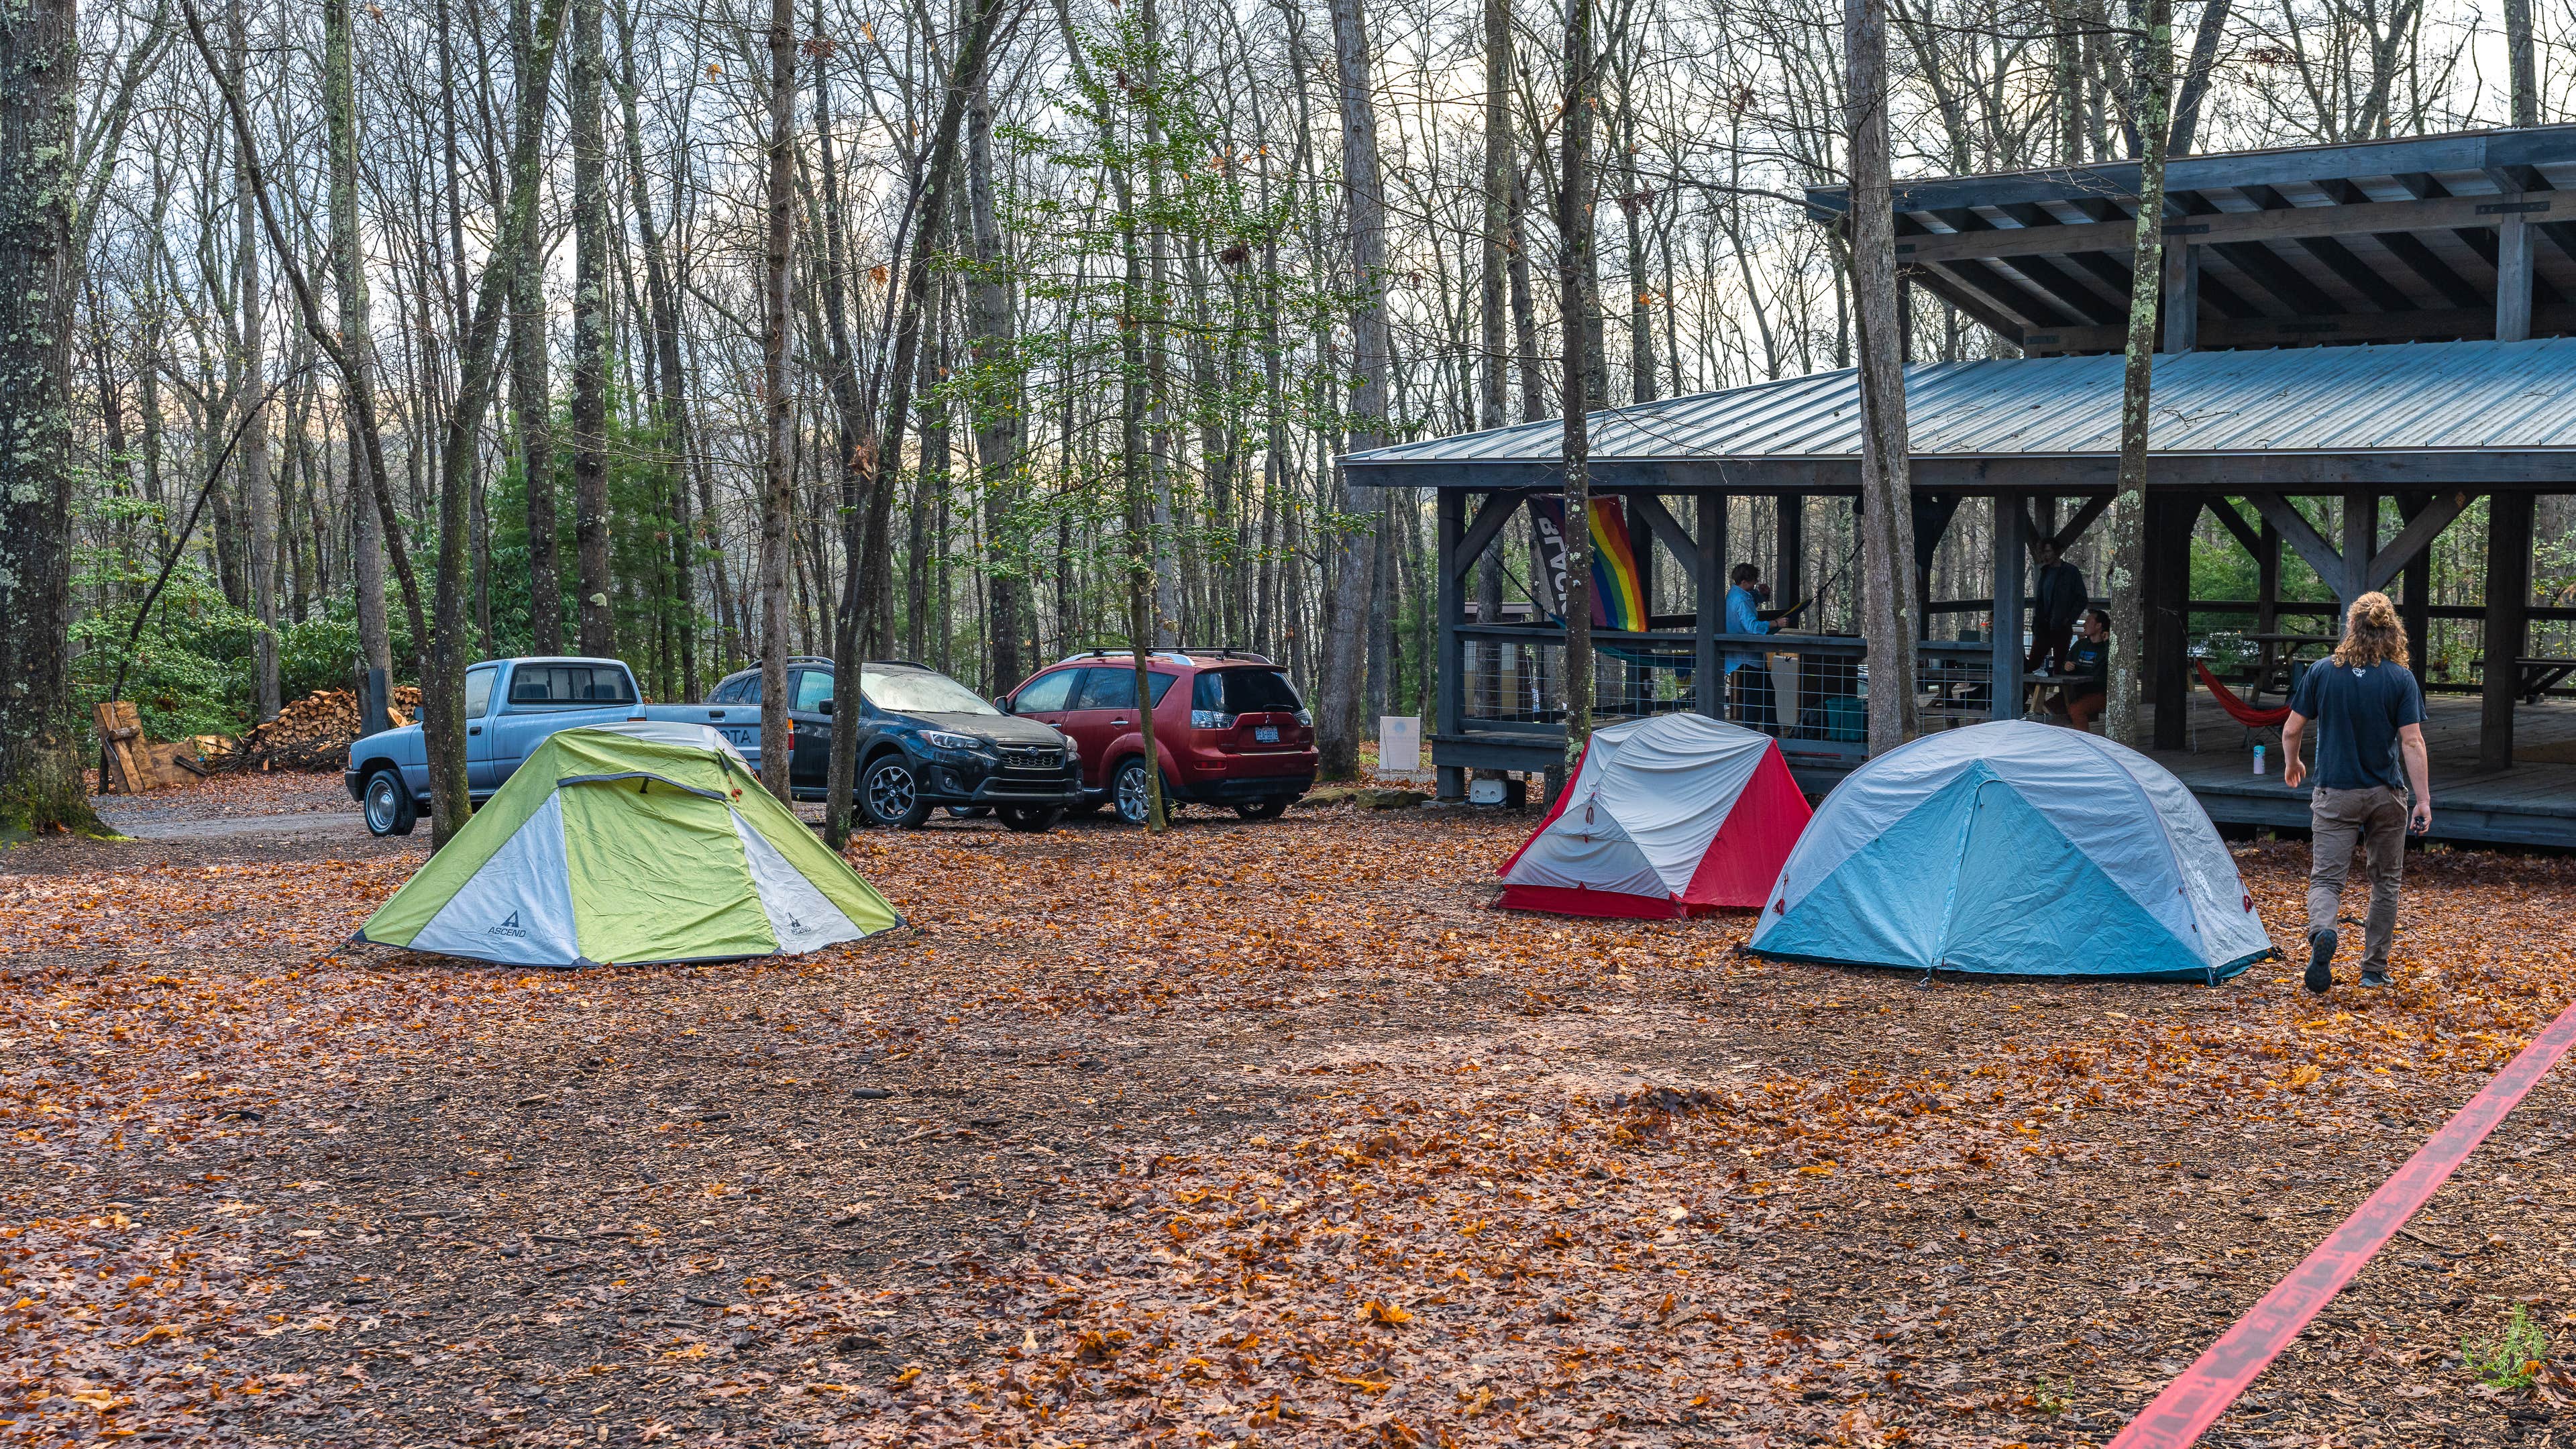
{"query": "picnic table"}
{"type": "Point", "coordinates": [2274, 654]}
{"type": "Point", "coordinates": [2534, 677]}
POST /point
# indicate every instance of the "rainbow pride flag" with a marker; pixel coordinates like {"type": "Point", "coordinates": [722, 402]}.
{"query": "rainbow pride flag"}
{"type": "Point", "coordinates": [1618, 593]}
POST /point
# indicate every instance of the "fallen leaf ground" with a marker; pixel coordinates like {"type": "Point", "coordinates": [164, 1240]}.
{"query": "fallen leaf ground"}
{"type": "Point", "coordinates": [1253, 1133]}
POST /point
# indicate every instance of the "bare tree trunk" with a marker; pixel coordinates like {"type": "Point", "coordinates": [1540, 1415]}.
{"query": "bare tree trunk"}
{"type": "Point", "coordinates": [2523, 69]}
{"type": "Point", "coordinates": [1525, 305]}
{"type": "Point", "coordinates": [258, 488]}
{"type": "Point", "coordinates": [528, 398]}
{"type": "Point", "coordinates": [41, 738]}
{"type": "Point", "coordinates": [778, 490]}
{"type": "Point", "coordinates": [1499, 171]}
{"type": "Point", "coordinates": [1889, 612]}
{"type": "Point", "coordinates": [590, 333]}
{"type": "Point", "coordinates": [2204, 59]}
{"type": "Point", "coordinates": [357, 342]}
{"type": "Point", "coordinates": [660, 296]}
{"type": "Point", "coordinates": [2128, 517]}
{"type": "Point", "coordinates": [1337, 733]}
{"type": "Point", "coordinates": [1574, 231]}
{"type": "Point", "coordinates": [997, 397]}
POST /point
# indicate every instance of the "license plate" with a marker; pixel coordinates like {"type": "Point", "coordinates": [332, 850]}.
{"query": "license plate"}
{"type": "Point", "coordinates": [1265, 734]}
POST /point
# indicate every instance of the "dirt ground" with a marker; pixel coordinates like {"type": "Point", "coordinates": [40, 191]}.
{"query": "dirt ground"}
{"type": "Point", "coordinates": [1252, 1133]}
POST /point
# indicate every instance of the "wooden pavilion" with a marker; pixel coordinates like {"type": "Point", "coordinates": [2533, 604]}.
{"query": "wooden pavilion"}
{"type": "Point", "coordinates": [2391, 325]}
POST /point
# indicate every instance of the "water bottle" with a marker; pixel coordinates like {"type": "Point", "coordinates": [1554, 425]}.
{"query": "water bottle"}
{"type": "Point", "coordinates": [2258, 759]}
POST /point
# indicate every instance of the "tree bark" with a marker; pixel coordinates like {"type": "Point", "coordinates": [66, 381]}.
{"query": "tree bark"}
{"type": "Point", "coordinates": [2126, 583]}
{"type": "Point", "coordinates": [1574, 231]}
{"type": "Point", "coordinates": [661, 297]}
{"type": "Point", "coordinates": [778, 483]}
{"type": "Point", "coordinates": [591, 265]}
{"type": "Point", "coordinates": [1499, 171]}
{"type": "Point", "coordinates": [528, 395]}
{"type": "Point", "coordinates": [2522, 68]}
{"type": "Point", "coordinates": [41, 739]}
{"type": "Point", "coordinates": [1338, 723]}
{"type": "Point", "coordinates": [1890, 612]}
{"type": "Point", "coordinates": [998, 400]}
{"type": "Point", "coordinates": [258, 488]}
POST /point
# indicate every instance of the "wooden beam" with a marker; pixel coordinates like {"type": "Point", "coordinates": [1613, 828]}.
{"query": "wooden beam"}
{"type": "Point", "coordinates": [1940, 285]}
{"type": "Point", "coordinates": [2182, 298]}
{"type": "Point", "coordinates": [2443, 213]}
{"type": "Point", "coordinates": [1661, 522]}
{"type": "Point", "coordinates": [2431, 324]}
{"type": "Point", "coordinates": [2303, 537]}
{"type": "Point", "coordinates": [1708, 579]}
{"type": "Point", "coordinates": [2513, 280]}
{"type": "Point", "coordinates": [1497, 510]}
{"type": "Point", "coordinates": [2083, 518]}
{"type": "Point", "coordinates": [2414, 538]}
{"type": "Point", "coordinates": [2169, 606]}
{"type": "Point", "coordinates": [2360, 540]}
{"type": "Point", "coordinates": [2508, 603]}
{"type": "Point", "coordinates": [2415, 600]}
{"type": "Point", "coordinates": [2010, 542]}
{"type": "Point", "coordinates": [1451, 666]}
{"type": "Point", "coordinates": [2225, 512]}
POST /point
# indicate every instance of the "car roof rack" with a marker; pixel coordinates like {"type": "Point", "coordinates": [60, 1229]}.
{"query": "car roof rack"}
{"type": "Point", "coordinates": [1182, 651]}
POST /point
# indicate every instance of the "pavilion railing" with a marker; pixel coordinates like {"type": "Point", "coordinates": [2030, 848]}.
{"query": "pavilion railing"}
{"type": "Point", "coordinates": [1511, 677]}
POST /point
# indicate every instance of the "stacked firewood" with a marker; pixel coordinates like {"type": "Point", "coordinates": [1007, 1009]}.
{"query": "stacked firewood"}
{"type": "Point", "coordinates": [314, 733]}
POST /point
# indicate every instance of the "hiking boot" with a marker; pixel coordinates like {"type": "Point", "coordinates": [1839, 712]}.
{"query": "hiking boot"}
{"type": "Point", "coordinates": [2321, 949]}
{"type": "Point", "coordinates": [2373, 978]}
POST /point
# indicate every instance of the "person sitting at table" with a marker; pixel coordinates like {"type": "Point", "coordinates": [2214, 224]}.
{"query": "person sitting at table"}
{"type": "Point", "coordinates": [2088, 667]}
{"type": "Point", "coordinates": [2057, 604]}
{"type": "Point", "coordinates": [1752, 689]}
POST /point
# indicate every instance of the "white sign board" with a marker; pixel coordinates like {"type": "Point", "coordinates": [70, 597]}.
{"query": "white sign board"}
{"type": "Point", "coordinates": [1399, 744]}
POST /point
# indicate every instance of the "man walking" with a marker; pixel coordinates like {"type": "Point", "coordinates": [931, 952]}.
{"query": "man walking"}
{"type": "Point", "coordinates": [2368, 711]}
{"type": "Point", "coordinates": [2057, 606]}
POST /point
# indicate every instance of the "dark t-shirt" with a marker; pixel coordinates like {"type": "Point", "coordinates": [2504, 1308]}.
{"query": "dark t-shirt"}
{"type": "Point", "coordinates": [2087, 665]}
{"type": "Point", "coordinates": [2358, 713]}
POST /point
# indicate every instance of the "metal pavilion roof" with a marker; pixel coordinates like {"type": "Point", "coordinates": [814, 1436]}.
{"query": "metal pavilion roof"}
{"type": "Point", "coordinates": [2298, 246]}
{"type": "Point", "coordinates": [2318, 418]}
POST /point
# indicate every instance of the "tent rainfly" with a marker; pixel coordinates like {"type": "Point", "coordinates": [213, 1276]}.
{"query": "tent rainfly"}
{"type": "Point", "coordinates": [2015, 848]}
{"type": "Point", "coordinates": [633, 843]}
{"type": "Point", "coordinates": [1668, 816]}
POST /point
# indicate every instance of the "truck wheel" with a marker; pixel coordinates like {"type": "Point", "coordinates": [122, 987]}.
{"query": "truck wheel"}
{"type": "Point", "coordinates": [390, 808]}
{"type": "Point", "coordinates": [1030, 819]}
{"type": "Point", "coordinates": [891, 794]}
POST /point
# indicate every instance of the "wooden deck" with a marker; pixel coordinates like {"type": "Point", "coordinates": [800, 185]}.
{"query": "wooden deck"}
{"type": "Point", "coordinates": [2534, 803]}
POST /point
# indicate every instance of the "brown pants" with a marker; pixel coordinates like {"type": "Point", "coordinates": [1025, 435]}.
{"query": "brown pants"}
{"type": "Point", "coordinates": [2375, 819]}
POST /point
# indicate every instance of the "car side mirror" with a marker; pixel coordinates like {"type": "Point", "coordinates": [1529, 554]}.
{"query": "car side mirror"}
{"type": "Point", "coordinates": [1002, 702]}
{"type": "Point", "coordinates": [826, 706]}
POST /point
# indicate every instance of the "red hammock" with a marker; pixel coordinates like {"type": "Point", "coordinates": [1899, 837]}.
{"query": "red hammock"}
{"type": "Point", "coordinates": [2237, 709]}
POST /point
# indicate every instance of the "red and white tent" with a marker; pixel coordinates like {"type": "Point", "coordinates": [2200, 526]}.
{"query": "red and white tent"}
{"type": "Point", "coordinates": [1670, 816]}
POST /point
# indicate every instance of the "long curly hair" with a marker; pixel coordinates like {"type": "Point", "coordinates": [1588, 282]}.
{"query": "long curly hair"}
{"type": "Point", "coordinates": [2371, 633]}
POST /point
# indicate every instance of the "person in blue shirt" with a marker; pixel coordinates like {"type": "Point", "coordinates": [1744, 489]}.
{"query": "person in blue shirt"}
{"type": "Point", "coordinates": [1753, 696]}
{"type": "Point", "coordinates": [2086, 668]}
{"type": "Point", "coordinates": [2369, 712]}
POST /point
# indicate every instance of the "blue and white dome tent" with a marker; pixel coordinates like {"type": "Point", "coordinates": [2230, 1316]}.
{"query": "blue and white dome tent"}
{"type": "Point", "coordinates": [2018, 849]}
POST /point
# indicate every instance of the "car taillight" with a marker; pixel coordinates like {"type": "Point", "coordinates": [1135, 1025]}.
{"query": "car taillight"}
{"type": "Point", "coordinates": [1209, 719]}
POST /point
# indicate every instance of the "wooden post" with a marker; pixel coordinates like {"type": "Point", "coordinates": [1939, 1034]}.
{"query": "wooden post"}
{"type": "Point", "coordinates": [1451, 780]}
{"type": "Point", "coordinates": [1789, 554]}
{"type": "Point", "coordinates": [2169, 523]}
{"type": "Point", "coordinates": [2508, 615]}
{"type": "Point", "coordinates": [2181, 299]}
{"type": "Point", "coordinates": [2267, 581]}
{"type": "Point", "coordinates": [2009, 551]}
{"type": "Point", "coordinates": [1708, 603]}
{"type": "Point", "coordinates": [2415, 600]}
{"type": "Point", "coordinates": [2513, 280]}
{"type": "Point", "coordinates": [2360, 541]}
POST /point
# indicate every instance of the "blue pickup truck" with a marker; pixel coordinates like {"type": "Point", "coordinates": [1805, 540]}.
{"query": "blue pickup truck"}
{"type": "Point", "coordinates": [925, 740]}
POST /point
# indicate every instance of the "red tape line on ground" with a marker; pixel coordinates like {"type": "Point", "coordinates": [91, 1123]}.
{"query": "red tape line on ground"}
{"type": "Point", "coordinates": [2190, 1404]}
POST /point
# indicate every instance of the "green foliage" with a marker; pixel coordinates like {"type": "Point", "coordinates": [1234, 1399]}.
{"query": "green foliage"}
{"type": "Point", "coordinates": [2512, 1359]}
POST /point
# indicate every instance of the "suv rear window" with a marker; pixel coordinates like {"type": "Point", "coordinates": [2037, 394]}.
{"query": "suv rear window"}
{"type": "Point", "coordinates": [570, 684]}
{"type": "Point", "coordinates": [1245, 691]}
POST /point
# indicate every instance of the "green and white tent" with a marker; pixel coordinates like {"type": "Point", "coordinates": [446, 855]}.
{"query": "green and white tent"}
{"type": "Point", "coordinates": [632, 843]}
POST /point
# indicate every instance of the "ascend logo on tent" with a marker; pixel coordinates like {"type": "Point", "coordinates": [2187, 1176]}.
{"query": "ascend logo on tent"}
{"type": "Point", "coordinates": [510, 927]}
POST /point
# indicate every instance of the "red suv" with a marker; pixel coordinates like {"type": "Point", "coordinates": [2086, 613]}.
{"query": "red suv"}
{"type": "Point", "coordinates": [1229, 727]}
